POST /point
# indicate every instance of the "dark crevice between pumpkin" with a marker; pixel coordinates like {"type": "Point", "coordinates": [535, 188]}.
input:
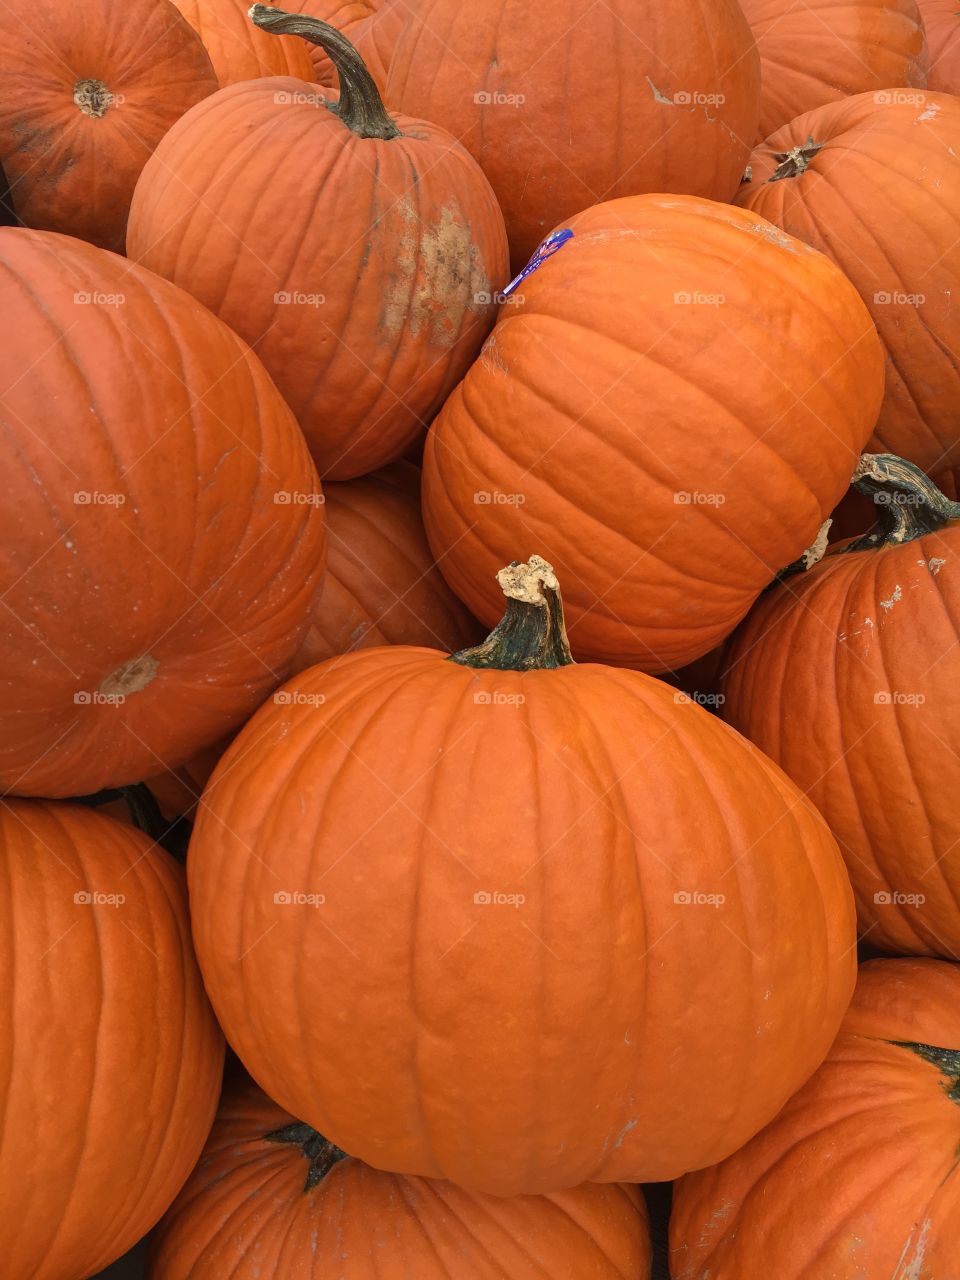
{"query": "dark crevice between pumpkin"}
{"type": "Point", "coordinates": [360, 107]}
{"type": "Point", "coordinates": [813, 555]}
{"type": "Point", "coordinates": [145, 814]}
{"type": "Point", "coordinates": [8, 214]}
{"type": "Point", "coordinates": [532, 635]}
{"type": "Point", "coordinates": [908, 504]}
{"type": "Point", "coordinates": [945, 1060]}
{"type": "Point", "coordinates": [321, 1153]}
{"type": "Point", "coordinates": [790, 164]}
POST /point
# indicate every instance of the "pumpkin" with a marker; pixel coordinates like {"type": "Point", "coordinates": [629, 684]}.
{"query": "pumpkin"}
{"type": "Point", "coordinates": [382, 586]}
{"type": "Point", "coordinates": [272, 1198]}
{"type": "Point", "coordinates": [86, 93]}
{"type": "Point", "coordinates": [671, 410]}
{"type": "Point", "coordinates": [161, 540]}
{"type": "Point", "coordinates": [942, 21]}
{"type": "Point", "coordinates": [357, 254]}
{"type": "Point", "coordinates": [876, 186]}
{"type": "Point", "coordinates": [486, 918]}
{"type": "Point", "coordinates": [567, 104]}
{"type": "Point", "coordinates": [238, 49]}
{"type": "Point", "coordinates": [857, 1175]}
{"type": "Point", "coordinates": [110, 1059]}
{"type": "Point", "coordinates": [866, 643]}
{"type": "Point", "coordinates": [377, 37]}
{"type": "Point", "coordinates": [349, 17]}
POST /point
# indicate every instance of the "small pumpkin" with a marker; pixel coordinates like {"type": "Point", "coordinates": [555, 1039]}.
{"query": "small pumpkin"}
{"type": "Point", "coordinates": [382, 585]}
{"type": "Point", "coordinates": [874, 183]}
{"type": "Point", "coordinates": [156, 585]}
{"type": "Point", "coordinates": [671, 410]}
{"type": "Point", "coordinates": [358, 254]}
{"type": "Point", "coordinates": [857, 1176]}
{"type": "Point", "coordinates": [238, 49]}
{"type": "Point", "coordinates": [272, 1199]}
{"type": "Point", "coordinates": [814, 55]}
{"type": "Point", "coordinates": [942, 22]}
{"type": "Point", "coordinates": [866, 643]}
{"type": "Point", "coordinates": [566, 104]}
{"type": "Point", "coordinates": [110, 1059]}
{"type": "Point", "coordinates": [452, 908]}
{"type": "Point", "coordinates": [86, 93]}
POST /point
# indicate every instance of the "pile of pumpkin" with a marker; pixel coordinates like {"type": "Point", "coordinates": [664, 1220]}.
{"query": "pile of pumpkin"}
{"type": "Point", "coordinates": [333, 341]}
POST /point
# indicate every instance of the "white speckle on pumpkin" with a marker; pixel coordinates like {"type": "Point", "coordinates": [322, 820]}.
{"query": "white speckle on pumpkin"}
{"type": "Point", "coordinates": [934, 564]}
{"type": "Point", "coordinates": [928, 113]}
{"type": "Point", "coordinates": [631, 1124]}
{"type": "Point", "coordinates": [897, 595]}
{"type": "Point", "coordinates": [910, 1265]}
{"type": "Point", "coordinates": [658, 96]}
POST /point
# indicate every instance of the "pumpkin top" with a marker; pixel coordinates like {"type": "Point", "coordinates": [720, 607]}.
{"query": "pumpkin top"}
{"type": "Point", "coordinates": [360, 107]}
{"type": "Point", "coordinates": [532, 633]}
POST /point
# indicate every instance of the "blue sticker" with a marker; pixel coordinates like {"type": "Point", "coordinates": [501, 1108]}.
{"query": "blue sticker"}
{"type": "Point", "coordinates": [553, 242]}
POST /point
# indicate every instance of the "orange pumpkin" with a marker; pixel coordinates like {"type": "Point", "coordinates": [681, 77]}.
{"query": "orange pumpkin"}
{"type": "Point", "coordinates": [271, 1198]}
{"type": "Point", "coordinates": [110, 1059]}
{"type": "Point", "coordinates": [942, 21]}
{"type": "Point", "coordinates": [86, 93]}
{"type": "Point", "coordinates": [815, 54]}
{"type": "Point", "coordinates": [356, 253]}
{"type": "Point", "coordinates": [567, 104]}
{"type": "Point", "coordinates": [377, 37]}
{"type": "Point", "coordinates": [448, 909]}
{"type": "Point", "coordinates": [154, 589]}
{"type": "Point", "coordinates": [671, 411]}
{"type": "Point", "coordinates": [238, 49]}
{"type": "Point", "coordinates": [382, 586]}
{"type": "Point", "coordinates": [349, 17]}
{"type": "Point", "coordinates": [857, 1176]}
{"type": "Point", "coordinates": [876, 186]}
{"type": "Point", "coordinates": [866, 644]}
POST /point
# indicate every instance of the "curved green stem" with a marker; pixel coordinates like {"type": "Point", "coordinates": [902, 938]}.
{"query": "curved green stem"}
{"type": "Point", "coordinates": [908, 503]}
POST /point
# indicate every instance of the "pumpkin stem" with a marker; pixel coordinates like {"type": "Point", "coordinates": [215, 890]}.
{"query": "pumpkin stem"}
{"type": "Point", "coordinates": [793, 162]}
{"type": "Point", "coordinates": [360, 107]}
{"type": "Point", "coordinates": [146, 816]}
{"type": "Point", "coordinates": [323, 1155]}
{"type": "Point", "coordinates": [946, 1060]}
{"type": "Point", "coordinates": [908, 503]}
{"type": "Point", "coordinates": [813, 554]}
{"type": "Point", "coordinates": [532, 634]}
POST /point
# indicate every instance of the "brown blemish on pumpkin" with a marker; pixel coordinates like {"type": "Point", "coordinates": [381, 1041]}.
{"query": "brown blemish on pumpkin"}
{"type": "Point", "coordinates": [131, 677]}
{"type": "Point", "coordinates": [93, 98]}
{"type": "Point", "coordinates": [438, 278]}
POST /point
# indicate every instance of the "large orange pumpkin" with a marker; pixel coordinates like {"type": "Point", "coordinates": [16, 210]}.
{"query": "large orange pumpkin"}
{"type": "Point", "coordinates": [567, 104]}
{"type": "Point", "coordinates": [942, 21]}
{"type": "Point", "coordinates": [671, 412]}
{"type": "Point", "coordinates": [486, 918]}
{"type": "Point", "coordinates": [238, 49]}
{"type": "Point", "coordinates": [377, 37]}
{"type": "Point", "coordinates": [110, 1058]}
{"type": "Point", "coordinates": [154, 589]}
{"type": "Point", "coordinates": [86, 93]}
{"type": "Point", "coordinates": [815, 54]}
{"type": "Point", "coordinates": [857, 1176]}
{"type": "Point", "coordinates": [382, 586]}
{"type": "Point", "coordinates": [874, 182]}
{"type": "Point", "coordinates": [356, 253]}
{"type": "Point", "coordinates": [271, 1198]}
{"type": "Point", "coordinates": [866, 644]}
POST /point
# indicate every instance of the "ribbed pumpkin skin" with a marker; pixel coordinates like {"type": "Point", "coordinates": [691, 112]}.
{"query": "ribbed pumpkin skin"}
{"type": "Point", "coordinates": [882, 199]}
{"type": "Point", "coordinates": [382, 586]}
{"type": "Point", "coordinates": [857, 1176]}
{"type": "Point", "coordinates": [183, 565]}
{"type": "Point", "coordinates": [599, 400]}
{"type": "Point", "coordinates": [814, 54]}
{"type": "Point", "coordinates": [426, 1032]}
{"type": "Point", "coordinates": [250, 200]}
{"type": "Point", "coordinates": [238, 49]}
{"type": "Point", "coordinates": [577, 137]}
{"type": "Point", "coordinates": [942, 21]}
{"type": "Point", "coordinates": [110, 1058]}
{"type": "Point", "coordinates": [377, 37]}
{"type": "Point", "coordinates": [245, 1214]}
{"type": "Point", "coordinates": [70, 171]}
{"type": "Point", "coordinates": [884, 774]}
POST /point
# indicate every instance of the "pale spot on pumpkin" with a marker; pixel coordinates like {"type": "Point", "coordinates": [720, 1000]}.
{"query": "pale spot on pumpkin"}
{"type": "Point", "coordinates": [934, 564]}
{"type": "Point", "coordinates": [928, 114]}
{"type": "Point", "coordinates": [658, 96]}
{"type": "Point", "coordinates": [910, 1265]}
{"type": "Point", "coordinates": [131, 677]}
{"type": "Point", "coordinates": [631, 1124]}
{"type": "Point", "coordinates": [897, 595]}
{"type": "Point", "coordinates": [438, 278]}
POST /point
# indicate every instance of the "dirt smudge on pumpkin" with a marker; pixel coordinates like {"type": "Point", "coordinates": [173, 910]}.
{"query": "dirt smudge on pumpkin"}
{"type": "Point", "coordinates": [438, 277]}
{"type": "Point", "coordinates": [934, 564]}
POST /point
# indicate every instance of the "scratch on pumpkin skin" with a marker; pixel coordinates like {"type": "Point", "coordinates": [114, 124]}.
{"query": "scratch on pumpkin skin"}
{"type": "Point", "coordinates": [910, 1266]}
{"type": "Point", "coordinates": [658, 96]}
{"type": "Point", "coordinates": [934, 564]}
{"type": "Point", "coordinates": [897, 595]}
